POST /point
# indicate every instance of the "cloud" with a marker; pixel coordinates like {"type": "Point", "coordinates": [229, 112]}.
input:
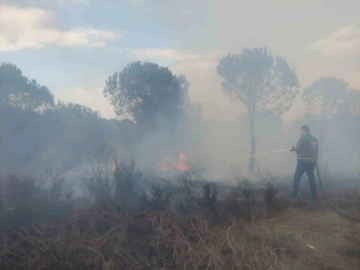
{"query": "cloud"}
{"type": "Point", "coordinates": [344, 42]}
{"type": "Point", "coordinates": [178, 57]}
{"type": "Point", "coordinates": [22, 28]}
{"type": "Point", "coordinates": [181, 60]}
{"type": "Point", "coordinates": [173, 55]}
{"type": "Point", "coordinates": [37, 2]}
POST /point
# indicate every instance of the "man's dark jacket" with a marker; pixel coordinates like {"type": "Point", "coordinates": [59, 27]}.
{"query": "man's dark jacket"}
{"type": "Point", "coordinates": [307, 149]}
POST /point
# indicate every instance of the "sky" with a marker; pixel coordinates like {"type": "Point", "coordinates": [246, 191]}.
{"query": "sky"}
{"type": "Point", "coordinates": [71, 46]}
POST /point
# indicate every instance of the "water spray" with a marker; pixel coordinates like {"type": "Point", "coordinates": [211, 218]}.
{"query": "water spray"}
{"type": "Point", "coordinates": [268, 152]}
{"type": "Point", "coordinates": [271, 152]}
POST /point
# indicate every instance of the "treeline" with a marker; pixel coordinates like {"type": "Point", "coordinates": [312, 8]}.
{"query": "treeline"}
{"type": "Point", "coordinates": [38, 133]}
{"type": "Point", "coordinates": [65, 135]}
{"type": "Point", "coordinates": [36, 129]}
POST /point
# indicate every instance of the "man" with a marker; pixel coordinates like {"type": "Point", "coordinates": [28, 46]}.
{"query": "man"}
{"type": "Point", "coordinates": [307, 154]}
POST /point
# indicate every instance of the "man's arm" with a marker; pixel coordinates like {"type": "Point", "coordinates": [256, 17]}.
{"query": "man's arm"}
{"type": "Point", "coordinates": [299, 145]}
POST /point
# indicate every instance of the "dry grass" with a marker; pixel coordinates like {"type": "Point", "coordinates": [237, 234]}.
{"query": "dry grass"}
{"type": "Point", "coordinates": [108, 239]}
{"type": "Point", "coordinates": [100, 239]}
{"type": "Point", "coordinates": [204, 228]}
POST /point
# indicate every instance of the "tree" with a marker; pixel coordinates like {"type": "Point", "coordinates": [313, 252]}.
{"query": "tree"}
{"type": "Point", "coordinates": [323, 99]}
{"type": "Point", "coordinates": [146, 92]}
{"type": "Point", "coordinates": [259, 81]}
{"type": "Point", "coordinates": [79, 130]}
{"type": "Point", "coordinates": [325, 95]}
{"type": "Point", "coordinates": [18, 91]}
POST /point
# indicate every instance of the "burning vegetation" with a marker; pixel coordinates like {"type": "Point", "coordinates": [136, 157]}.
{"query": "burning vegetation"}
{"type": "Point", "coordinates": [179, 164]}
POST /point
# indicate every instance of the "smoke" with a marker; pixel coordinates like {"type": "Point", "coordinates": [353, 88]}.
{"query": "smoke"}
{"type": "Point", "coordinates": [302, 32]}
{"type": "Point", "coordinates": [221, 147]}
{"type": "Point", "coordinates": [305, 33]}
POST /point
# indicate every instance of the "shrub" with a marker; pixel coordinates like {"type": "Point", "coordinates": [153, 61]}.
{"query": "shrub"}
{"type": "Point", "coordinates": [24, 202]}
{"type": "Point", "coordinates": [119, 190]}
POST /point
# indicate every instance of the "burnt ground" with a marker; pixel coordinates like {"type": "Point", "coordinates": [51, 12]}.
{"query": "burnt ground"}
{"type": "Point", "coordinates": [240, 228]}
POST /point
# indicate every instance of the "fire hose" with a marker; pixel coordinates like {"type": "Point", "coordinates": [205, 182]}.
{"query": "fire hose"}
{"type": "Point", "coordinates": [328, 202]}
{"type": "Point", "coordinates": [267, 152]}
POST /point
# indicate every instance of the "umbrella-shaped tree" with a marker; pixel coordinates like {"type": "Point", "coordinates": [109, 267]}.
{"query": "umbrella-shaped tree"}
{"type": "Point", "coordinates": [261, 82]}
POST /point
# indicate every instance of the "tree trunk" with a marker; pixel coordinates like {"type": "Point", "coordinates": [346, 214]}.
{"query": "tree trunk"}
{"type": "Point", "coordinates": [321, 143]}
{"type": "Point", "coordinates": [252, 160]}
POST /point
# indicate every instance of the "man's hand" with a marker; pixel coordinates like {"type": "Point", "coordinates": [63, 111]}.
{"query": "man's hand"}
{"type": "Point", "coordinates": [292, 149]}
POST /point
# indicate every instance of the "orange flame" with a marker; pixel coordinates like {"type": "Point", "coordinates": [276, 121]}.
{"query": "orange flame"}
{"type": "Point", "coordinates": [180, 165]}
{"type": "Point", "coordinates": [115, 165]}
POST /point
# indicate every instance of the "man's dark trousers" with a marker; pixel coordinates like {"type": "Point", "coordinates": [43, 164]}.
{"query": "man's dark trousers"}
{"type": "Point", "coordinates": [301, 168]}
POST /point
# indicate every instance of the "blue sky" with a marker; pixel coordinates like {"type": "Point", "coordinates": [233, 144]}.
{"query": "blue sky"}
{"type": "Point", "coordinates": [82, 67]}
{"type": "Point", "coordinates": [71, 46]}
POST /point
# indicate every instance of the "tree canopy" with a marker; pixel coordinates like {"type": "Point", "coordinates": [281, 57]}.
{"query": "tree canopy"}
{"type": "Point", "coordinates": [259, 80]}
{"type": "Point", "coordinates": [325, 95]}
{"type": "Point", "coordinates": [145, 91]}
{"type": "Point", "coordinates": [18, 91]}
